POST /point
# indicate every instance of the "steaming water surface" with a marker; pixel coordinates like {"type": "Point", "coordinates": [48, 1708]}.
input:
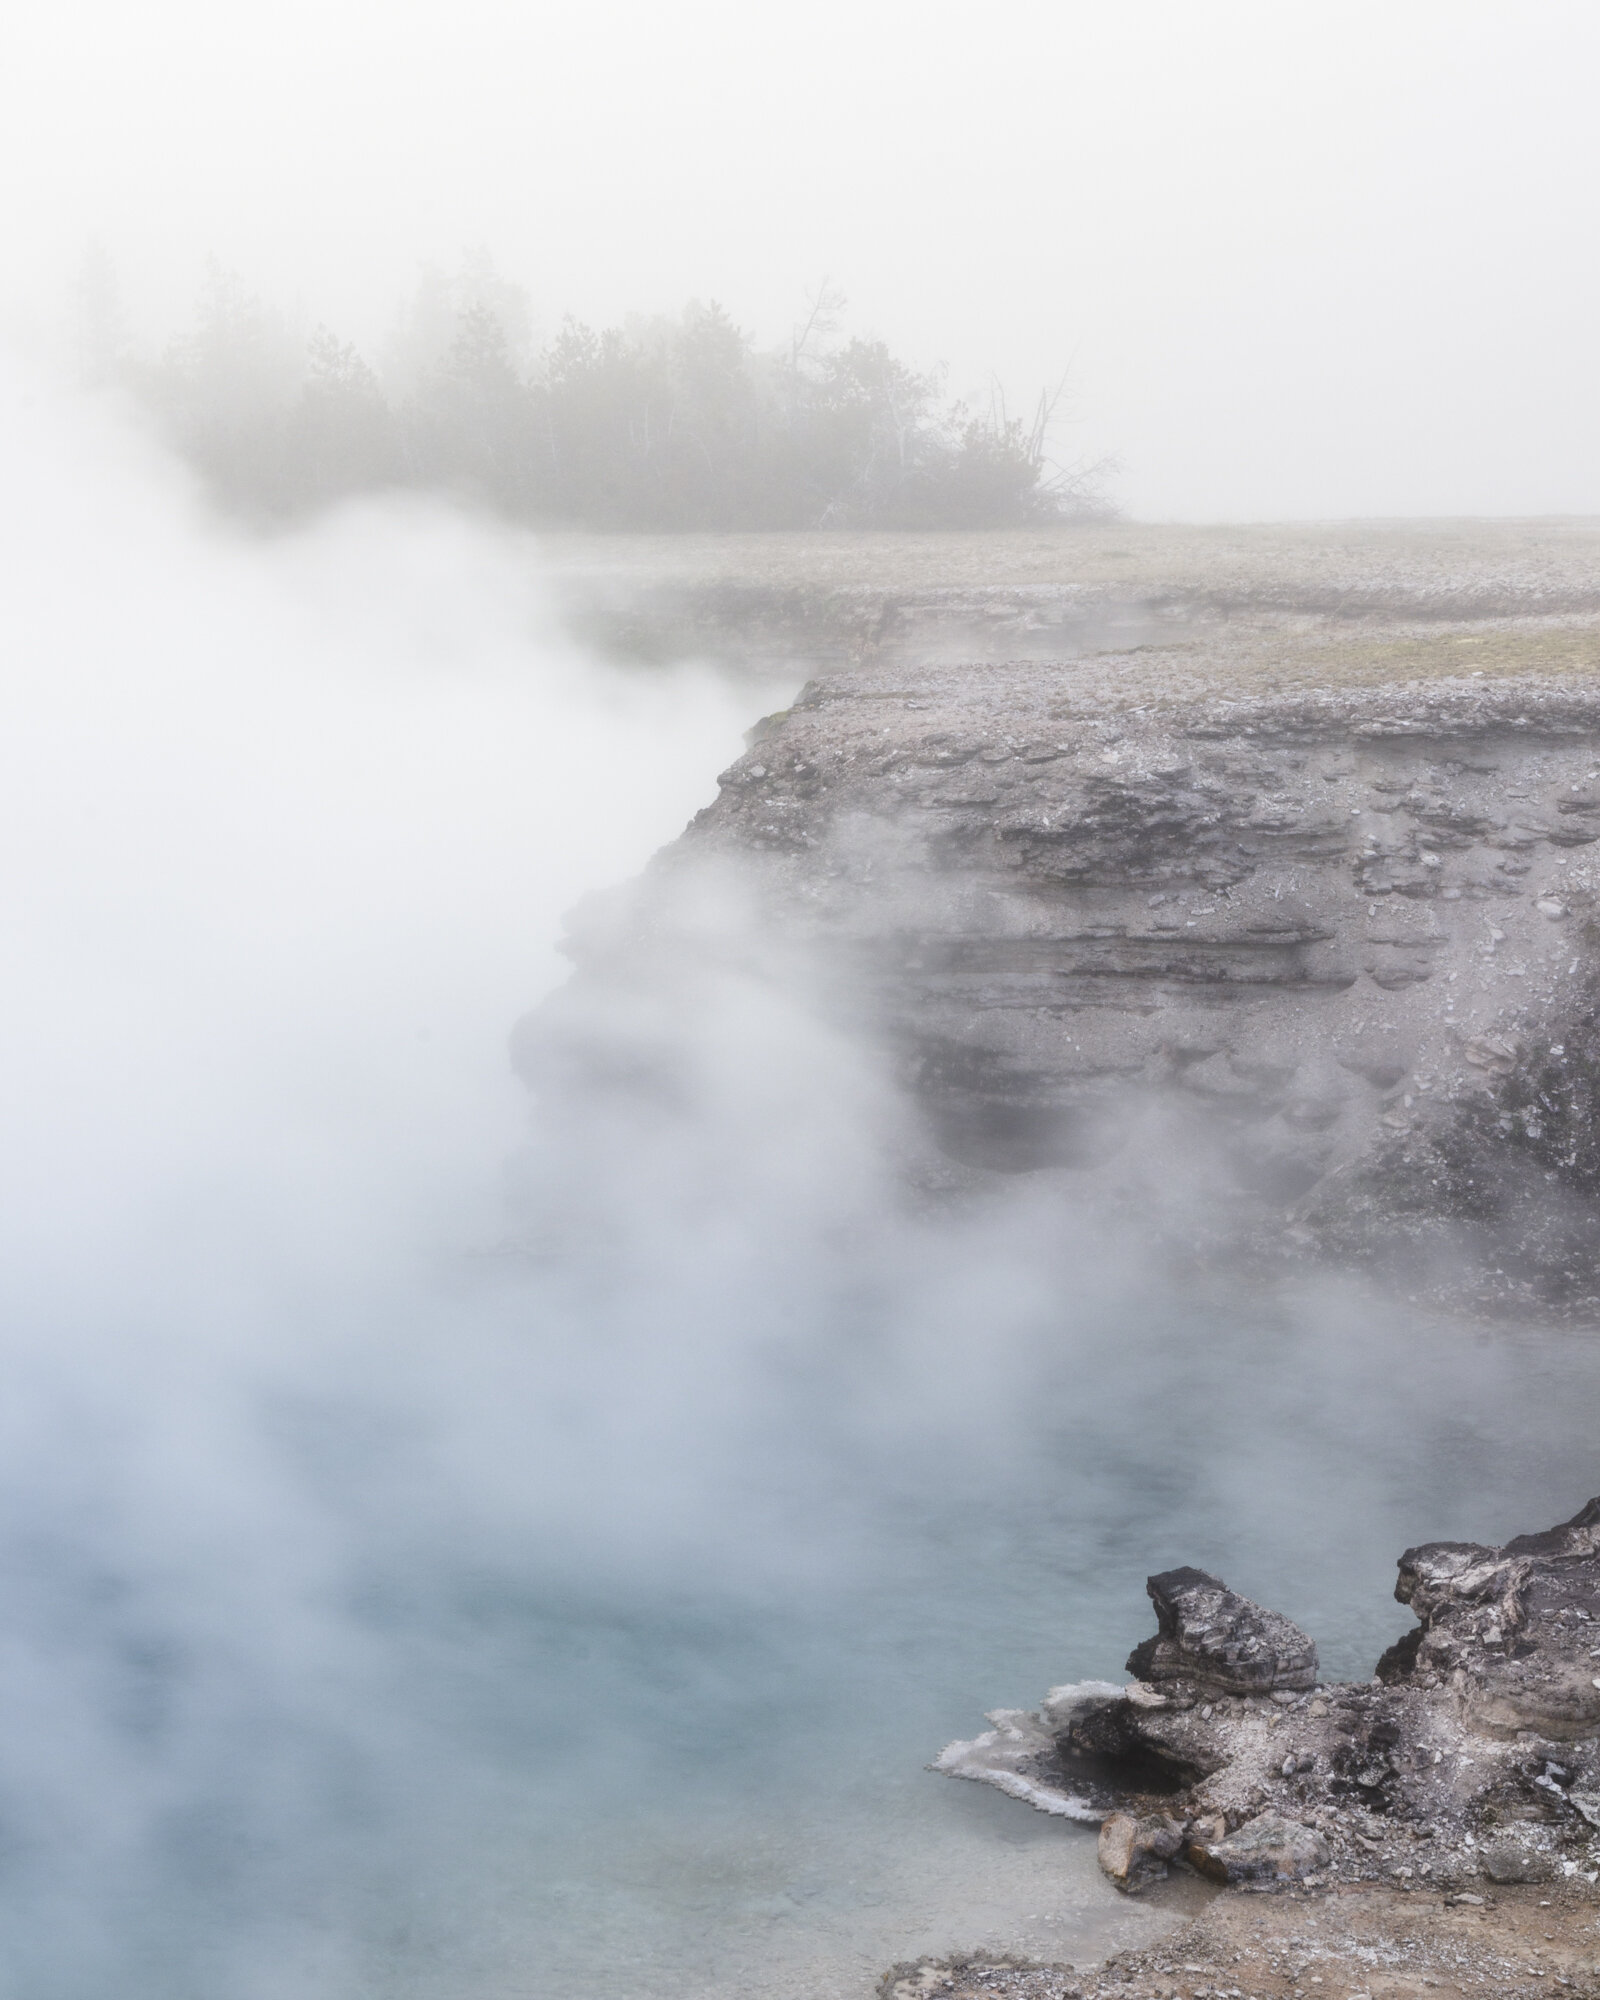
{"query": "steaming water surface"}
{"type": "Point", "coordinates": [787, 1825]}
{"type": "Point", "coordinates": [451, 1550]}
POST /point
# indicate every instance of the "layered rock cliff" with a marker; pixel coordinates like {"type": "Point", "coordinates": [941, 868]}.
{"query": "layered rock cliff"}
{"type": "Point", "coordinates": [1349, 937]}
{"type": "Point", "coordinates": [1271, 903]}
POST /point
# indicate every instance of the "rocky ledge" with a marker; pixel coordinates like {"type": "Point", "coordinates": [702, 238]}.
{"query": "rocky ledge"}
{"type": "Point", "coordinates": [1471, 1758]}
{"type": "Point", "coordinates": [1324, 962]}
{"type": "Point", "coordinates": [1244, 884]}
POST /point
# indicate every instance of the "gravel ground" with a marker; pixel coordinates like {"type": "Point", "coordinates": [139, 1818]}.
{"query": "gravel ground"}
{"type": "Point", "coordinates": [1489, 565]}
{"type": "Point", "coordinates": [1377, 1942]}
{"type": "Point", "coordinates": [1180, 612]}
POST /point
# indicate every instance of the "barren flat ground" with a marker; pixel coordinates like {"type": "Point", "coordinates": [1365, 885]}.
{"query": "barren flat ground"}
{"type": "Point", "coordinates": [1511, 560]}
{"type": "Point", "coordinates": [1365, 1943]}
{"type": "Point", "coordinates": [1139, 612]}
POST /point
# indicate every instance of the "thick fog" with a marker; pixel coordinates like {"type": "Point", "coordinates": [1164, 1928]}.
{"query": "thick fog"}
{"type": "Point", "coordinates": [1309, 261]}
{"type": "Point", "coordinates": [453, 1544]}
{"type": "Point", "coordinates": [286, 838]}
{"type": "Point", "coordinates": [459, 1539]}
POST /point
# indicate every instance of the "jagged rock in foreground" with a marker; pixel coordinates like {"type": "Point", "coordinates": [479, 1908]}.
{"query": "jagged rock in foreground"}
{"type": "Point", "coordinates": [1515, 1632]}
{"type": "Point", "coordinates": [1473, 1757]}
{"type": "Point", "coordinates": [1214, 1639]}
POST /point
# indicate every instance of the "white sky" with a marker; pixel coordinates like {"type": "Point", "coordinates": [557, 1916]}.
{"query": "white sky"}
{"type": "Point", "coordinates": [1304, 258]}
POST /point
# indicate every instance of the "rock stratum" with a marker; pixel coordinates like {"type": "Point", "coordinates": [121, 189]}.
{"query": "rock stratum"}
{"type": "Point", "coordinates": [1342, 946]}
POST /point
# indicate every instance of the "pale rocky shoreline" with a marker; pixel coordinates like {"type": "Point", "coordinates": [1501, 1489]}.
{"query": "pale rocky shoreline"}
{"type": "Point", "coordinates": [1466, 1768]}
{"type": "Point", "coordinates": [1364, 1943]}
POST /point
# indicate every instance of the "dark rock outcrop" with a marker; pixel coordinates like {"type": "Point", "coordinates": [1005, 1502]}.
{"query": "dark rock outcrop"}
{"type": "Point", "coordinates": [1215, 1639]}
{"type": "Point", "coordinates": [1477, 1752]}
{"type": "Point", "coordinates": [1514, 1632]}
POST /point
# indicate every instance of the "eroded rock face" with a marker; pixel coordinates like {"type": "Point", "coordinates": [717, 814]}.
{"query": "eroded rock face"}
{"type": "Point", "coordinates": [1336, 948]}
{"type": "Point", "coordinates": [1513, 1632]}
{"type": "Point", "coordinates": [1215, 1639]}
{"type": "Point", "coordinates": [1476, 1753]}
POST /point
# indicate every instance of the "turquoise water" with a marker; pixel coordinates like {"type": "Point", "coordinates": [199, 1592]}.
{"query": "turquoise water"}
{"type": "Point", "coordinates": [680, 1750]}
{"type": "Point", "coordinates": [772, 1817]}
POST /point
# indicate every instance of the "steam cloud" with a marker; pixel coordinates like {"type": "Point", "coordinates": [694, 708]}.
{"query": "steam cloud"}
{"type": "Point", "coordinates": [399, 1498]}
{"type": "Point", "coordinates": [287, 831]}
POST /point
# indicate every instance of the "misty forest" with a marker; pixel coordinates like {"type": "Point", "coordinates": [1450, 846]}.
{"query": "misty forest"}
{"type": "Point", "coordinates": [658, 423]}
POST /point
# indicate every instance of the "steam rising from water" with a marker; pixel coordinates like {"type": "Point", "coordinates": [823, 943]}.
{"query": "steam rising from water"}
{"type": "Point", "coordinates": [286, 834]}
{"type": "Point", "coordinates": [444, 1553]}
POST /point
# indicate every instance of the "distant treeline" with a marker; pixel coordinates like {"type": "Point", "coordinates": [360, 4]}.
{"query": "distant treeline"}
{"type": "Point", "coordinates": [660, 423]}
